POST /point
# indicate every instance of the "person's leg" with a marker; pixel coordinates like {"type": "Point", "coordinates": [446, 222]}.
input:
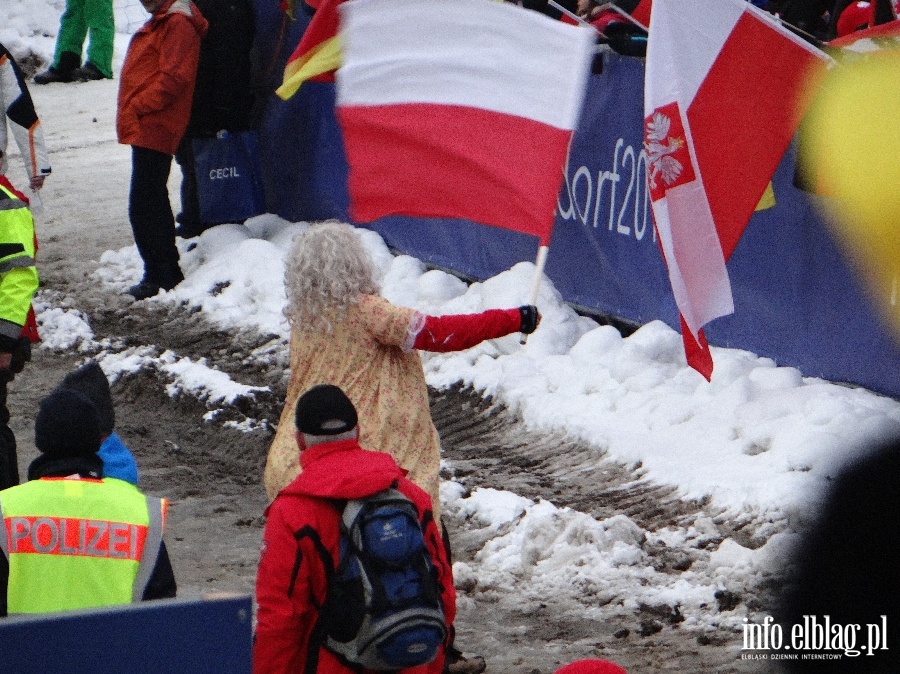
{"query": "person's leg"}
{"type": "Point", "coordinates": [9, 462]}
{"type": "Point", "coordinates": [100, 21]}
{"type": "Point", "coordinates": [70, 39]}
{"type": "Point", "coordinates": [189, 217]}
{"type": "Point", "coordinates": [150, 214]}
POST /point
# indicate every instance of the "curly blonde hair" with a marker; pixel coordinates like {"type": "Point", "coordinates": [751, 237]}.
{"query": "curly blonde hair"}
{"type": "Point", "coordinates": [326, 271]}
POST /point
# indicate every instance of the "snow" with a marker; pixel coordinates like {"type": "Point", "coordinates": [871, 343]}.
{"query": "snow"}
{"type": "Point", "coordinates": [760, 439]}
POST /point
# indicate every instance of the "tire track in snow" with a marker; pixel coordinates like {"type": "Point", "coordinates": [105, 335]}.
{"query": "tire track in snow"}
{"type": "Point", "coordinates": [488, 446]}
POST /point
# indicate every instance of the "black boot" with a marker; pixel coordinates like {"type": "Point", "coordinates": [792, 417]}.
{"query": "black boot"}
{"type": "Point", "coordinates": [143, 290]}
{"type": "Point", "coordinates": [87, 73]}
{"type": "Point", "coordinates": [62, 72]}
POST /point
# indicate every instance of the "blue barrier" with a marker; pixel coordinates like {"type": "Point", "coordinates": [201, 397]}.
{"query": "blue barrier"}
{"type": "Point", "coordinates": [797, 300]}
{"type": "Point", "coordinates": [157, 637]}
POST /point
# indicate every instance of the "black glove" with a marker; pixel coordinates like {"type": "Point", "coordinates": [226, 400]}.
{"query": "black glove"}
{"type": "Point", "coordinates": [531, 317]}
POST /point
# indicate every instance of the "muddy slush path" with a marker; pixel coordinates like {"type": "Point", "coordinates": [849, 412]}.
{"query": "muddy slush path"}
{"type": "Point", "coordinates": [212, 474]}
{"type": "Point", "coordinates": [212, 477]}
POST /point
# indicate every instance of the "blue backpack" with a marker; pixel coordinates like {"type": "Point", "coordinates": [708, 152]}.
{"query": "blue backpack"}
{"type": "Point", "coordinates": [383, 607]}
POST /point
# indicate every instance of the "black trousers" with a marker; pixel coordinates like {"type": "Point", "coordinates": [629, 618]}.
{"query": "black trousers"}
{"type": "Point", "coordinates": [150, 214]}
{"type": "Point", "coordinates": [189, 218]}
{"type": "Point", "coordinates": [9, 461]}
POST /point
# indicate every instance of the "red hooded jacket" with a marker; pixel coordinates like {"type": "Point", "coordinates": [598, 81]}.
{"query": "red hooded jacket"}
{"type": "Point", "coordinates": [156, 87]}
{"type": "Point", "coordinates": [300, 547]}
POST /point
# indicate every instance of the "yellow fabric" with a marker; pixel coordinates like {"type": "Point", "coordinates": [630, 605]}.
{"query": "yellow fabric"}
{"type": "Point", "coordinates": [62, 580]}
{"type": "Point", "coordinates": [363, 356]}
{"type": "Point", "coordinates": [767, 200]}
{"type": "Point", "coordinates": [852, 147]}
{"type": "Point", "coordinates": [324, 57]}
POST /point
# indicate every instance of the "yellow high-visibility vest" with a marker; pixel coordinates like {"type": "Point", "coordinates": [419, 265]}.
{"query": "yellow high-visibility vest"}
{"type": "Point", "coordinates": [18, 274]}
{"type": "Point", "coordinates": [75, 543]}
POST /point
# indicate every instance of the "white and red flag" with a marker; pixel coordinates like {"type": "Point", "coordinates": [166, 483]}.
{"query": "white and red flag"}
{"type": "Point", "coordinates": [459, 109]}
{"type": "Point", "coordinates": [725, 89]}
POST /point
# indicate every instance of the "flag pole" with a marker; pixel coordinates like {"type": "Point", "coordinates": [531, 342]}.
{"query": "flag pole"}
{"type": "Point", "coordinates": [539, 265]}
{"type": "Point", "coordinates": [568, 13]}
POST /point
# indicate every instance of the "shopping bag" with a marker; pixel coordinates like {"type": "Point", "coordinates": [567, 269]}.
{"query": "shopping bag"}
{"type": "Point", "coordinates": [229, 181]}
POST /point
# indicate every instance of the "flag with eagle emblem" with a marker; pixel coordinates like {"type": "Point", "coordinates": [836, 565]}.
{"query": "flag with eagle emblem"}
{"type": "Point", "coordinates": [725, 88]}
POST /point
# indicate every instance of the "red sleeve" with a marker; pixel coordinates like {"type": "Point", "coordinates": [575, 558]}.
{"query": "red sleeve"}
{"type": "Point", "coordinates": [462, 331]}
{"type": "Point", "coordinates": [285, 617]}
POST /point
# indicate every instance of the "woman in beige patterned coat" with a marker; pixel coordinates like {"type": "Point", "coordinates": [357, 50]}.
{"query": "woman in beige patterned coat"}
{"type": "Point", "coordinates": [344, 333]}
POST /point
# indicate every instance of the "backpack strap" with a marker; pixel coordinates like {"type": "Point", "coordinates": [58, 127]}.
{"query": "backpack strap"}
{"type": "Point", "coordinates": [317, 636]}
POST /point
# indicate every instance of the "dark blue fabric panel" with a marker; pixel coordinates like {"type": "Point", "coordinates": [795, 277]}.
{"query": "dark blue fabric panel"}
{"type": "Point", "coordinates": [165, 637]}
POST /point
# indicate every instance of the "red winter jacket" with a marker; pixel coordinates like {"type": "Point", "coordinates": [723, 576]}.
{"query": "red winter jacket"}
{"type": "Point", "coordinates": [300, 546]}
{"type": "Point", "coordinates": [156, 87]}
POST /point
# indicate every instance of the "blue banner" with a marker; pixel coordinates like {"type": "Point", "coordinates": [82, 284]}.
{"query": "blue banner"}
{"type": "Point", "coordinates": [168, 636]}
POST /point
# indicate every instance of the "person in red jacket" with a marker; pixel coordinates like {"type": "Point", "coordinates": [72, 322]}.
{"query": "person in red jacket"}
{"type": "Point", "coordinates": [156, 89]}
{"type": "Point", "coordinates": [301, 540]}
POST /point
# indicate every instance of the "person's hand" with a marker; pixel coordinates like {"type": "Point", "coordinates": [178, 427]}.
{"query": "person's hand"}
{"type": "Point", "coordinates": [531, 318]}
{"type": "Point", "coordinates": [5, 361]}
{"type": "Point", "coordinates": [37, 181]}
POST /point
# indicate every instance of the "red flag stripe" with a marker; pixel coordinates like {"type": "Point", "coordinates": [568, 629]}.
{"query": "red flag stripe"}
{"type": "Point", "coordinates": [494, 168]}
{"type": "Point", "coordinates": [888, 31]}
{"type": "Point", "coordinates": [697, 351]}
{"type": "Point", "coordinates": [323, 26]}
{"type": "Point", "coordinates": [750, 108]}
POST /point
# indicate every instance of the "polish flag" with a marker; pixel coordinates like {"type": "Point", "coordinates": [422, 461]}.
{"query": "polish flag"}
{"type": "Point", "coordinates": [459, 109]}
{"type": "Point", "coordinates": [725, 89]}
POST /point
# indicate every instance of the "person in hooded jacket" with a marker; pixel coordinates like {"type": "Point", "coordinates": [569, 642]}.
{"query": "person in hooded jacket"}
{"type": "Point", "coordinates": [156, 89]}
{"type": "Point", "coordinates": [301, 540]}
{"type": "Point", "coordinates": [90, 381]}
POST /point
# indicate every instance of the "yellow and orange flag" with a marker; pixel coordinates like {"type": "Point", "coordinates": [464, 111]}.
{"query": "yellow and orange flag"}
{"type": "Point", "coordinates": [317, 55]}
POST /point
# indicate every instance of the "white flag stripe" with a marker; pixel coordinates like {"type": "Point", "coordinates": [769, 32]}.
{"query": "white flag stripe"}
{"type": "Point", "coordinates": [699, 34]}
{"type": "Point", "coordinates": [697, 263]}
{"type": "Point", "coordinates": [503, 58]}
{"type": "Point", "coordinates": [676, 68]}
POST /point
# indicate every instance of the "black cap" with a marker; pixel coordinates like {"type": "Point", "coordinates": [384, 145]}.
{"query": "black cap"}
{"type": "Point", "coordinates": [325, 410]}
{"type": "Point", "coordinates": [67, 425]}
